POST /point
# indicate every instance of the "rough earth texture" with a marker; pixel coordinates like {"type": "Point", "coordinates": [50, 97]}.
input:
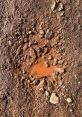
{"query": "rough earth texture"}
{"type": "Point", "coordinates": [40, 55]}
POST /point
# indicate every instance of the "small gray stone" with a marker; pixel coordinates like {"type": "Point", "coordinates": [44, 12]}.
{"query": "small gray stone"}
{"type": "Point", "coordinates": [54, 99]}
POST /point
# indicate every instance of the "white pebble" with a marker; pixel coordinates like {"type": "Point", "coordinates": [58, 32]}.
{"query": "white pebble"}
{"type": "Point", "coordinates": [46, 93]}
{"type": "Point", "coordinates": [54, 99]}
{"type": "Point", "coordinates": [71, 110]}
{"type": "Point", "coordinates": [69, 100]}
{"type": "Point", "coordinates": [10, 43]}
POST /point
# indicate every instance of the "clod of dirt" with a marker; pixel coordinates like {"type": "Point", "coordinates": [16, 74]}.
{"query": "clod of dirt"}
{"type": "Point", "coordinates": [46, 64]}
{"type": "Point", "coordinates": [54, 99]}
{"type": "Point", "coordinates": [55, 61]}
{"type": "Point", "coordinates": [71, 110]}
{"type": "Point", "coordinates": [60, 7]}
{"type": "Point", "coordinates": [41, 33]}
{"type": "Point", "coordinates": [39, 88]}
{"type": "Point", "coordinates": [18, 51]}
{"type": "Point", "coordinates": [60, 83]}
{"type": "Point", "coordinates": [29, 58]}
{"type": "Point", "coordinates": [10, 43]}
{"type": "Point", "coordinates": [33, 42]}
{"type": "Point", "coordinates": [60, 14]}
{"type": "Point", "coordinates": [47, 93]}
{"type": "Point", "coordinates": [36, 82]}
{"type": "Point", "coordinates": [48, 34]}
{"type": "Point", "coordinates": [69, 100]}
{"type": "Point", "coordinates": [57, 1]}
{"type": "Point", "coordinates": [61, 62]}
{"type": "Point", "coordinates": [62, 50]}
{"type": "Point", "coordinates": [55, 75]}
{"type": "Point", "coordinates": [53, 5]}
{"type": "Point", "coordinates": [25, 47]}
{"type": "Point", "coordinates": [41, 25]}
{"type": "Point", "coordinates": [45, 50]}
{"type": "Point", "coordinates": [49, 57]}
{"type": "Point", "coordinates": [30, 32]}
{"type": "Point", "coordinates": [32, 54]}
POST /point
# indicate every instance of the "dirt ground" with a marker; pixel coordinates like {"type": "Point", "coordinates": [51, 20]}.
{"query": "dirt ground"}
{"type": "Point", "coordinates": [40, 58]}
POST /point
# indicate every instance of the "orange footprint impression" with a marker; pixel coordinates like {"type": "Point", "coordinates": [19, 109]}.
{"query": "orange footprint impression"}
{"type": "Point", "coordinates": [40, 70]}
